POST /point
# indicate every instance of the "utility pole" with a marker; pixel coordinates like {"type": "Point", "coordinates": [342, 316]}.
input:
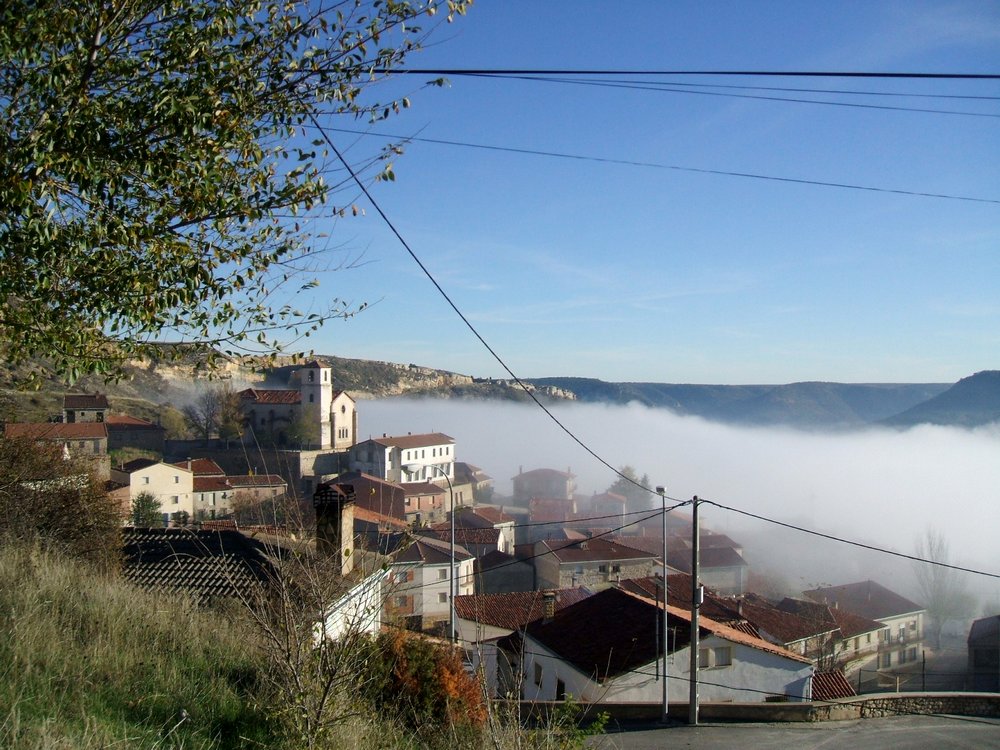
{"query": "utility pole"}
{"type": "Point", "coordinates": [664, 717]}
{"type": "Point", "coordinates": [695, 603]}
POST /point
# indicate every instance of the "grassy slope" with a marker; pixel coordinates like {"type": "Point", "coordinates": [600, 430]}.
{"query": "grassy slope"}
{"type": "Point", "coordinates": [87, 662]}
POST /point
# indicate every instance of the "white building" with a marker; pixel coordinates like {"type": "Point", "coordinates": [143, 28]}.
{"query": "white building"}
{"type": "Point", "coordinates": [420, 581]}
{"type": "Point", "coordinates": [605, 649]}
{"type": "Point", "coordinates": [172, 486]}
{"type": "Point", "coordinates": [429, 457]}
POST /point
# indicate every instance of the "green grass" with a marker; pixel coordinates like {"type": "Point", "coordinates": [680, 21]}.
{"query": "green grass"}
{"type": "Point", "coordinates": [88, 662]}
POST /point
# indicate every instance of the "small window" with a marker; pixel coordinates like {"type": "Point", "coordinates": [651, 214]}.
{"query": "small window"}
{"type": "Point", "coordinates": [312, 398]}
{"type": "Point", "coordinates": [312, 376]}
{"type": "Point", "coordinates": [145, 480]}
{"type": "Point", "coordinates": [886, 660]}
{"type": "Point", "coordinates": [723, 656]}
{"type": "Point", "coordinates": [401, 601]}
{"type": "Point", "coordinates": [442, 575]}
{"type": "Point", "coordinates": [177, 479]}
{"type": "Point", "coordinates": [175, 499]}
{"type": "Point", "coordinates": [868, 638]}
{"type": "Point", "coordinates": [537, 678]}
{"type": "Point", "coordinates": [616, 568]}
{"type": "Point", "coordinates": [402, 577]}
{"type": "Point", "coordinates": [704, 658]}
{"type": "Point", "coordinates": [602, 568]}
{"type": "Point", "coordinates": [442, 598]}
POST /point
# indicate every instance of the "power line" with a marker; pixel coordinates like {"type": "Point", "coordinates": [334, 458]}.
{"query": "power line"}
{"type": "Point", "coordinates": [667, 88]}
{"type": "Point", "coordinates": [672, 167]}
{"type": "Point", "coordinates": [461, 315]}
{"type": "Point", "coordinates": [648, 72]}
{"type": "Point", "coordinates": [851, 542]}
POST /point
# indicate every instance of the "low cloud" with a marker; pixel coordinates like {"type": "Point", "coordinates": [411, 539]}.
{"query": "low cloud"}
{"type": "Point", "coordinates": [876, 486]}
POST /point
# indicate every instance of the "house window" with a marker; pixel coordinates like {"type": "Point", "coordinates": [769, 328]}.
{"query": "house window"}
{"type": "Point", "coordinates": [857, 643]}
{"type": "Point", "coordinates": [560, 690]}
{"type": "Point", "coordinates": [602, 568]}
{"type": "Point", "coordinates": [868, 638]}
{"type": "Point", "coordinates": [912, 654]}
{"type": "Point", "coordinates": [913, 625]}
{"type": "Point", "coordinates": [312, 376]}
{"type": "Point", "coordinates": [723, 656]}
{"type": "Point", "coordinates": [175, 499]}
{"type": "Point", "coordinates": [886, 661]}
{"type": "Point", "coordinates": [537, 677]}
{"type": "Point", "coordinates": [442, 575]}
{"type": "Point", "coordinates": [145, 480]}
{"type": "Point", "coordinates": [442, 598]}
{"type": "Point", "coordinates": [402, 577]}
{"type": "Point", "coordinates": [401, 601]}
{"type": "Point", "coordinates": [312, 398]}
{"type": "Point", "coordinates": [177, 479]}
{"type": "Point", "coordinates": [616, 568]}
{"type": "Point", "coordinates": [704, 658]}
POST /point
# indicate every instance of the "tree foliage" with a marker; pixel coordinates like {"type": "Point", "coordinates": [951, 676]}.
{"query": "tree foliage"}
{"type": "Point", "coordinates": [56, 501]}
{"type": "Point", "coordinates": [156, 173]}
{"type": "Point", "coordinates": [636, 498]}
{"type": "Point", "coordinates": [146, 511]}
{"type": "Point", "coordinates": [215, 411]}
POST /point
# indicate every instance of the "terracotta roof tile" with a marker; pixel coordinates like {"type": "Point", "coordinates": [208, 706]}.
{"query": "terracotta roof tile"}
{"type": "Point", "coordinates": [271, 396]}
{"type": "Point", "coordinates": [256, 480]}
{"type": "Point", "coordinates": [425, 440]}
{"type": "Point", "coordinates": [202, 467]}
{"type": "Point", "coordinates": [589, 550]}
{"type": "Point", "coordinates": [866, 598]}
{"type": "Point", "coordinates": [128, 422]}
{"type": "Point", "coordinates": [211, 484]}
{"type": "Point", "coordinates": [513, 610]}
{"type": "Point", "coordinates": [85, 401]}
{"type": "Point", "coordinates": [57, 430]}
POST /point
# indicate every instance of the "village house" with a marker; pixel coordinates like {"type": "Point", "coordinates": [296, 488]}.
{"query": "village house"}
{"type": "Point", "coordinates": [84, 407]}
{"type": "Point", "coordinates": [595, 563]}
{"type": "Point", "coordinates": [984, 654]}
{"type": "Point", "coordinates": [902, 634]}
{"type": "Point", "coordinates": [543, 483]}
{"type": "Point", "coordinates": [499, 573]}
{"type": "Point", "coordinates": [170, 485]}
{"type": "Point", "coordinates": [125, 431]}
{"type": "Point", "coordinates": [428, 457]}
{"type": "Point", "coordinates": [420, 582]}
{"type": "Point", "coordinates": [606, 649]}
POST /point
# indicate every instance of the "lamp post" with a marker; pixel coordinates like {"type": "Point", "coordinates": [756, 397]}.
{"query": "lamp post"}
{"type": "Point", "coordinates": [413, 469]}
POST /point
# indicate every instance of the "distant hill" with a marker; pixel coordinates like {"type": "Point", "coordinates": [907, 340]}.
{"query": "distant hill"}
{"type": "Point", "coordinates": [811, 404]}
{"type": "Point", "coordinates": [971, 402]}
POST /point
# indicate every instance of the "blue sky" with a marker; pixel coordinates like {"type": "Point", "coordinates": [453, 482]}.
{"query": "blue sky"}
{"type": "Point", "coordinates": [627, 273]}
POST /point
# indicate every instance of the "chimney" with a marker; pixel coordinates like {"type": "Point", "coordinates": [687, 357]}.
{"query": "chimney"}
{"type": "Point", "coordinates": [548, 606]}
{"type": "Point", "coordinates": [334, 504]}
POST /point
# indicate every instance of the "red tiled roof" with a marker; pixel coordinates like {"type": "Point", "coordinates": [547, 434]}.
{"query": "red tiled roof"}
{"type": "Point", "coordinates": [271, 396]}
{"type": "Point", "coordinates": [852, 625]}
{"type": "Point", "coordinates": [717, 607]}
{"type": "Point", "coordinates": [828, 686]}
{"type": "Point", "coordinates": [370, 516]}
{"type": "Point", "coordinates": [612, 632]}
{"type": "Point", "coordinates": [422, 488]}
{"type": "Point", "coordinates": [492, 515]}
{"type": "Point", "coordinates": [415, 441]}
{"type": "Point", "coordinates": [85, 401]}
{"type": "Point", "coordinates": [256, 480]}
{"type": "Point", "coordinates": [591, 550]}
{"type": "Point", "coordinates": [128, 422]}
{"type": "Point", "coordinates": [202, 467]}
{"type": "Point", "coordinates": [513, 610]}
{"type": "Point", "coordinates": [430, 552]}
{"type": "Point", "coordinates": [866, 598]}
{"type": "Point", "coordinates": [57, 430]}
{"type": "Point", "coordinates": [721, 557]}
{"type": "Point", "coordinates": [464, 536]}
{"type": "Point", "coordinates": [608, 497]}
{"type": "Point", "coordinates": [778, 624]}
{"type": "Point", "coordinates": [210, 484]}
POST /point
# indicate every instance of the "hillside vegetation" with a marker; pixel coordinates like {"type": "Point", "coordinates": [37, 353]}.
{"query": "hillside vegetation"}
{"type": "Point", "coordinates": [150, 388]}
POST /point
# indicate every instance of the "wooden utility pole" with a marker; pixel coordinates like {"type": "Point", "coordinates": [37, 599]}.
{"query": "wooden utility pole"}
{"type": "Point", "coordinates": [695, 603]}
{"type": "Point", "coordinates": [664, 716]}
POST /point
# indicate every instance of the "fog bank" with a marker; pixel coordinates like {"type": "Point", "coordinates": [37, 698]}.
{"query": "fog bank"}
{"type": "Point", "coordinates": [875, 485]}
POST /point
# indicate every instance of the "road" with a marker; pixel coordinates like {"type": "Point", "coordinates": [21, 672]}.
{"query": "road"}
{"type": "Point", "coordinates": [916, 732]}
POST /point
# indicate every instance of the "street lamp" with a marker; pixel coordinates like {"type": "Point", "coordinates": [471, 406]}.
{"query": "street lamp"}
{"type": "Point", "coordinates": [413, 469]}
